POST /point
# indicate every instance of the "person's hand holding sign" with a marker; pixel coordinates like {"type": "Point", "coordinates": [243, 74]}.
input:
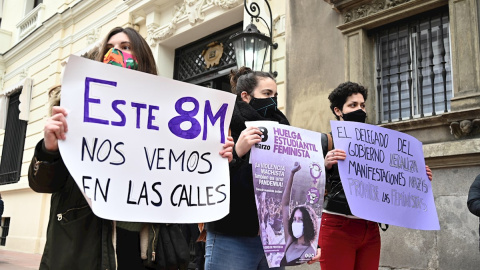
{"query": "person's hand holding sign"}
{"type": "Point", "coordinates": [55, 128]}
{"type": "Point", "coordinates": [333, 157]}
{"type": "Point", "coordinates": [227, 151]}
{"type": "Point", "coordinates": [429, 172]}
{"type": "Point", "coordinates": [247, 139]}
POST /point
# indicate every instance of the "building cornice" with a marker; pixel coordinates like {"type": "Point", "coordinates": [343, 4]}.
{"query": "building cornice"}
{"type": "Point", "coordinates": [190, 12]}
{"type": "Point", "coordinates": [53, 25]}
{"type": "Point", "coordinates": [367, 14]}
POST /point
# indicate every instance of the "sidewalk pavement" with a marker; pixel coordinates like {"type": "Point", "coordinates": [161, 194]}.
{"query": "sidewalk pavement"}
{"type": "Point", "coordinates": [12, 260]}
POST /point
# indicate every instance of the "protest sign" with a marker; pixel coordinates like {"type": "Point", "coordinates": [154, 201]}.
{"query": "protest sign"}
{"type": "Point", "coordinates": [145, 148]}
{"type": "Point", "coordinates": [384, 176]}
{"type": "Point", "coordinates": [289, 181]}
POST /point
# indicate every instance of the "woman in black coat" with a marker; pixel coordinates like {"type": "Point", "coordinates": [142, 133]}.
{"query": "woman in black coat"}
{"type": "Point", "coordinates": [233, 242]}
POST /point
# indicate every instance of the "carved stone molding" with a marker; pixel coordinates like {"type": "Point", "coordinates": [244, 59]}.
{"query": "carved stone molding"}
{"type": "Point", "coordinates": [93, 35]}
{"type": "Point", "coordinates": [2, 78]}
{"type": "Point", "coordinates": [191, 10]}
{"type": "Point", "coordinates": [23, 74]}
{"type": "Point", "coordinates": [151, 29]}
{"type": "Point", "coordinates": [465, 128]}
{"type": "Point", "coordinates": [372, 7]}
{"type": "Point", "coordinates": [226, 4]}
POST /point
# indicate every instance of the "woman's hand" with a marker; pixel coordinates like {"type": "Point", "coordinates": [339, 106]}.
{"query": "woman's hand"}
{"type": "Point", "coordinates": [227, 151]}
{"type": "Point", "coordinates": [55, 128]}
{"type": "Point", "coordinates": [247, 139]}
{"type": "Point", "coordinates": [333, 157]}
{"type": "Point", "coordinates": [429, 172]}
{"type": "Point", "coordinates": [316, 258]}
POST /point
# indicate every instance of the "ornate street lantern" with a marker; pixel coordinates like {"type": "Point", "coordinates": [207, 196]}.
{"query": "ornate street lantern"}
{"type": "Point", "coordinates": [252, 46]}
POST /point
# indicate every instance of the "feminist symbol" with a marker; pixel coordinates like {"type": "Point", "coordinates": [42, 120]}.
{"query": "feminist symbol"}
{"type": "Point", "coordinates": [315, 171]}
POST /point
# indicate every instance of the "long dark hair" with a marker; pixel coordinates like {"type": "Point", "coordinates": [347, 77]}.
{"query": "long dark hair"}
{"type": "Point", "coordinates": [309, 222]}
{"type": "Point", "coordinates": [245, 79]}
{"type": "Point", "coordinates": [140, 49]}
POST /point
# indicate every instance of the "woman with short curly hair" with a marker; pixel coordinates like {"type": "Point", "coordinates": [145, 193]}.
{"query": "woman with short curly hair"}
{"type": "Point", "coordinates": [347, 242]}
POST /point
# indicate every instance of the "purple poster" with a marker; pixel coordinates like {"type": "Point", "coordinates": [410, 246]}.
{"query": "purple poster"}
{"type": "Point", "coordinates": [384, 176]}
{"type": "Point", "coordinates": [289, 180]}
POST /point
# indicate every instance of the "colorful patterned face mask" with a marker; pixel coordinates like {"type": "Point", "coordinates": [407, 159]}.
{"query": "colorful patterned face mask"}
{"type": "Point", "coordinates": [120, 58]}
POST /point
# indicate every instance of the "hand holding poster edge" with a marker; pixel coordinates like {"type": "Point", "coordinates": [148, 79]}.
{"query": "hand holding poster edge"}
{"type": "Point", "coordinates": [258, 124]}
{"type": "Point", "coordinates": [151, 87]}
{"type": "Point", "coordinates": [384, 176]}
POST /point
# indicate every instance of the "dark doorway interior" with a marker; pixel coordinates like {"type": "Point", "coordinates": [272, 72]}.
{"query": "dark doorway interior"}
{"type": "Point", "coordinates": [220, 83]}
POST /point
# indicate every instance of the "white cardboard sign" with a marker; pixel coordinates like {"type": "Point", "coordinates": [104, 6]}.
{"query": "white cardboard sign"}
{"type": "Point", "coordinates": [145, 148]}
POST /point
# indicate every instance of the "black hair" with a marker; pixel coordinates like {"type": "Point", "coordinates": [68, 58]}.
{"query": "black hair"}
{"type": "Point", "coordinates": [245, 79]}
{"type": "Point", "coordinates": [339, 95]}
{"type": "Point", "coordinates": [309, 223]}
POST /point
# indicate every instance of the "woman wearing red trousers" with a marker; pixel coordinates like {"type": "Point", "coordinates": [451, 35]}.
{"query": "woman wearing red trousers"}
{"type": "Point", "coordinates": [347, 242]}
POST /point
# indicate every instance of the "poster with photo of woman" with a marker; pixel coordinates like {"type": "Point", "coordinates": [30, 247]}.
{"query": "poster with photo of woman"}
{"type": "Point", "coordinates": [289, 180]}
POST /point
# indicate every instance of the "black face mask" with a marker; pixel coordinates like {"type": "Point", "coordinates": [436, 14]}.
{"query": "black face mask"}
{"type": "Point", "coordinates": [266, 107]}
{"type": "Point", "coordinates": [355, 116]}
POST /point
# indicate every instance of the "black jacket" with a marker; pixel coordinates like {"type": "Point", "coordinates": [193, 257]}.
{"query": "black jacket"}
{"type": "Point", "coordinates": [473, 201]}
{"type": "Point", "coordinates": [242, 219]}
{"type": "Point", "coordinates": [76, 238]}
{"type": "Point", "coordinates": [335, 199]}
{"type": "Point", "coordinates": [1, 208]}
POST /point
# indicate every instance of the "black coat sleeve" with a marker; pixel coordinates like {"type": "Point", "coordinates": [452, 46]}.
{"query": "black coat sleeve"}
{"type": "Point", "coordinates": [473, 200]}
{"type": "Point", "coordinates": [47, 172]}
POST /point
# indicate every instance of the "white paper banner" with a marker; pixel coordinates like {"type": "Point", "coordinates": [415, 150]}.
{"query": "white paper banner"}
{"type": "Point", "coordinates": [145, 148]}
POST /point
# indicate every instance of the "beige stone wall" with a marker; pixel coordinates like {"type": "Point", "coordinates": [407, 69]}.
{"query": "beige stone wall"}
{"type": "Point", "coordinates": [315, 66]}
{"type": "Point", "coordinates": [349, 55]}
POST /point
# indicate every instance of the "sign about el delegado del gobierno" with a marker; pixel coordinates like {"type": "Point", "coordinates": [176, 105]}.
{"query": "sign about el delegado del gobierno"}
{"type": "Point", "coordinates": [384, 176]}
{"type": "Point", "coordinates": [145, 148]}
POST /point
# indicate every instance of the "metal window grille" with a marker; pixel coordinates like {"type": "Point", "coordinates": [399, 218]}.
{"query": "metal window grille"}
{"type": "Point", "coordinates": [13, 143]}
{"type": "Point", "coordinates": [5, 227]}
{"type": "Point", "coordinates": [190, 64]}
{"type": "Point", "coordinates": [413, 67]}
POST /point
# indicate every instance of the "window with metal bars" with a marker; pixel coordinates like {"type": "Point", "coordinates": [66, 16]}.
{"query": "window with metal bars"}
{"type": "Point", "coordinates": [413, 68]}
{"type": "Point", "coordinates": [14, 140]}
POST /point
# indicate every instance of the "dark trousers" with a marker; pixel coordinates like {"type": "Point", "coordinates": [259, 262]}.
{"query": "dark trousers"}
{"type": "Point", "coordinates": [191, 233]}
{"type": "Point", "coordinates": [128, 250]}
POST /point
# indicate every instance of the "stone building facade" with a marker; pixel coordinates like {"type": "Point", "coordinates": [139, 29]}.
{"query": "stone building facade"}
{"type": "Point", "coordinates": [347, 40]}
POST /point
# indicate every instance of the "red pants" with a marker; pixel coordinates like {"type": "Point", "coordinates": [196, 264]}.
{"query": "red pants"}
{"type": "Point", "coordinates": [348, 244]}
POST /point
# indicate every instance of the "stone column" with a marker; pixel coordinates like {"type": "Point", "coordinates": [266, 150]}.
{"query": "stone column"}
{"type": "Point", "coordinates": [465, 54]}
{"type": "Point", "coordinates": [360, 64]}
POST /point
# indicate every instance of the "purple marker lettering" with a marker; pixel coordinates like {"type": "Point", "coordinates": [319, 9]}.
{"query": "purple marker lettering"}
{"type": "Point", "coordinates": [88, 100]}
{"type": "Point", "coordinates": [139, 107]}
{"type": "Point", "coordinates": [209, 114]}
